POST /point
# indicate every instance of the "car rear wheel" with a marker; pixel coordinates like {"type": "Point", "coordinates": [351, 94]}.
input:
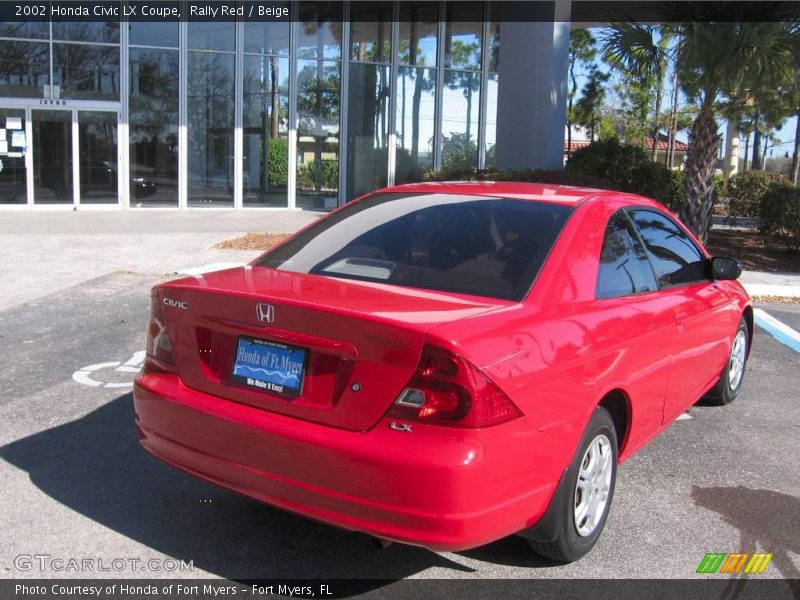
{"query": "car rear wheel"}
{"type": "Point", "coordinates": [588, 487]}
{"type": "Point", "coordinates": [730, 381]}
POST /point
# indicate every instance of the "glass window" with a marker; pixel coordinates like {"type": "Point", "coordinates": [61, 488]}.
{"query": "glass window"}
{"type": "Point", "coordinates": [320, 30]}
{"type": "Point", "coordinates": [28, 29]}
{"type": "Point", "coordinates": [367, 128]}
{"type": "Point", "coordinates": [416, 106]}
{"type": "Point", "coordinates": [147, 33]}
{"type": "Point", "coordinates": [267, 37]}
{"type": "Point", "coordinates": [318, 101]}
{"type": "Point", "coordinates": [210, 110]}
{"type": "Point", "coordinates": [97, 137]}
{"type": "Point", "coordinates": [463, 35]}
{"type": "Point", "coordinates": [212, 35]}
{"type": "Point", "coordinates": [87, 31]}
{"type": "Point", "coordinates": [154, 127]}
{"type": "Point", "coordinates": [24, 68]}
{"type": "Point", "coordinates": [86, 72]}
{"type": "Point", "coordinates": [266, 130]}
{"type": "Point", "coordinates": [467, 244]}
{"type": "Point", "coordinates": [419, 25]}
{"type": "Point", "coordinates": [624, 266]}
{"type": "Point", "coordinates": [371, 32]}
{"type": "Point", "coordinates": [493, 43]}
{"type": "Point", "coordinates": [674, 255]}
{"type": "Point", "coordinates": [52, 156]}
{"type": "Point", "coordinates": [460, 120]}
{"type": "Point", "coordinates": [13, 181]}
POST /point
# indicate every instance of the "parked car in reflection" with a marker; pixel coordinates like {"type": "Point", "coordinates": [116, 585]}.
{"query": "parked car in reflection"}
{"type": "Point", "coordinates": [100, 176]}
{"type": "Point", "coordinates": [446, 364]}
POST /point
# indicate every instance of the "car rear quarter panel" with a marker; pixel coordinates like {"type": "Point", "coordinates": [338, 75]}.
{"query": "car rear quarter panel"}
{"type": "Point", "coordinates": [560, 351]}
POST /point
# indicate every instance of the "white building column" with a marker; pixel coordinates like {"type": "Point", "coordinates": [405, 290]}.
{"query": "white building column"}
{"type": "Point", "coordinates": [532, 91]}
{"type": "Point", "coordinates": [731, 150]}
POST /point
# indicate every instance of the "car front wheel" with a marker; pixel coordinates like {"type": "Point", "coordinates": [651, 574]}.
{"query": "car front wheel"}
{"type": "Point", "coordinates": [584, 501]}
{"type": "Point", "coordinates": [730, 381]}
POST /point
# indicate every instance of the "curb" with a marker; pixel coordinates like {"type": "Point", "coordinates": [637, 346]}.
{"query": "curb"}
{"type": "Point", "coordinates": [768, 289]}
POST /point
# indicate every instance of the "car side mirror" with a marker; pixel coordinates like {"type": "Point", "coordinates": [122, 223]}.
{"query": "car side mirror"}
{"type": "Point", "coordinates": [724, 268]}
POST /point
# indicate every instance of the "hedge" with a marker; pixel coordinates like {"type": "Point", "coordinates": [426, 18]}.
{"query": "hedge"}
{"type": "Point", "coordinates": [606, 164]}
{"type": "Point", "coordinates": [780, 214]}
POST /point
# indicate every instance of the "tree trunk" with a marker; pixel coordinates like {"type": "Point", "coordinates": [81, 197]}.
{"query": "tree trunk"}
{"type": "Point", "coordinates": [746, 152]}
{"type": "Point", "coordinates": [673, 121]}
{"type": "Point", "coordinates": [701, 158]}
{"type": "Point", "coordinates": [657, 115]}
{"type": "Point", "coordinates": [756, 144]}
{"type": "Point", "coordinates": [796, 153]}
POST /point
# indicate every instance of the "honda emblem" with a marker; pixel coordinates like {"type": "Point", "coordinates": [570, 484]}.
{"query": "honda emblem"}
{"type": "Point", "coordinates": [265, 313]}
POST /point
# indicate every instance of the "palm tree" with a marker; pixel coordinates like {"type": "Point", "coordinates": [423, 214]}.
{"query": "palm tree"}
{"type": "Point", "coordinates": [720, 49]}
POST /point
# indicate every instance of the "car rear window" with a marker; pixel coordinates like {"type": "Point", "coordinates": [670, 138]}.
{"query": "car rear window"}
{"type": "Point", "coordinates": [465, 244]}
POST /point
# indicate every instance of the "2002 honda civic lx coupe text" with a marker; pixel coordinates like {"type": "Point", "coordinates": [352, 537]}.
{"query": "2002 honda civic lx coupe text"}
{"type": "Point", "coordinates": [445, 364]}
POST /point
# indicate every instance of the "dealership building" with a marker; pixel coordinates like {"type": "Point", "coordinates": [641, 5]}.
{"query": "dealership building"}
{"type": "Point", "coordinates": [300, 113]}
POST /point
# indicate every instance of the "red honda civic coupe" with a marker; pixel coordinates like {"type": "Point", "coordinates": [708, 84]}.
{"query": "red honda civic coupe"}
{"type": "Point", "coordinates": [446, 364]}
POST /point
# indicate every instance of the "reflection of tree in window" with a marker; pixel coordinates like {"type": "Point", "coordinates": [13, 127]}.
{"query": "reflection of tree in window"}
{"type": "Point", "coordinates": [624, 268]}
{"type": "Point", "coordinates": [675, 258]}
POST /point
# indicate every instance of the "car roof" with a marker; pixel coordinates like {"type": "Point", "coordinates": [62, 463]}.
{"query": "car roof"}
{"type": "Point", "coordinates": [541, 192]}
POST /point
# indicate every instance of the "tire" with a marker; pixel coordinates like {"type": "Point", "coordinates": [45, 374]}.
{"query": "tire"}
{"type": "Point", "coordinates": [730, 380]}
{"type": "Point", "coordinates": [573, 537]}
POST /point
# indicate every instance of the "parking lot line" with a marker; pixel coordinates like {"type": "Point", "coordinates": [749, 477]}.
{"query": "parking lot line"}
{"type": "Point", "coordinates": [780, 331]}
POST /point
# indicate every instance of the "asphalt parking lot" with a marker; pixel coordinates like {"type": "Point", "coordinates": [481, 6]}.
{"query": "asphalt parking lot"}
{"type": "Point", "coordinates": [76, 484]}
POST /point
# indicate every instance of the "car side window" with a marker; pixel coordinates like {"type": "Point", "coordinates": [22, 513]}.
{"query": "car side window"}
{"type": "Point", "coordinates": [675, 257]}
{"type": "Point", "coordinates": [624, 266]}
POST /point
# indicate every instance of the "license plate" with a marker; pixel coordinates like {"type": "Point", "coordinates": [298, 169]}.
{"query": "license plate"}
{"type": "Point", "coordinates": [270, 366]}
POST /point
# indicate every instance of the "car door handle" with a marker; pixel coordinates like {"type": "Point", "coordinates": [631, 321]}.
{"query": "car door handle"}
{"type": "Point", "coordinates": [680, 319]}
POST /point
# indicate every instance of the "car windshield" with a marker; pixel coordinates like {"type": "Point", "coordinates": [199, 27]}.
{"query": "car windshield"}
{"type": "Point", "coordinates": [448, 242]}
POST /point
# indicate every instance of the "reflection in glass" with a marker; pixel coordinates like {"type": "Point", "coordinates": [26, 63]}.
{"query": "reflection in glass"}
{"type": "Point", "coordinates": [24, 68]}
{"type": "Point", "coordinates": [419, 23]}
{"type": "Point", "coordinates": [460, 120]}
{"type": "Point", "coordinates": [491, 119]}
{"type": "Point", "coordinates": [367, 128]}
{"type": "Point", "coordinates": [87, 31]}
{"type": "Point", "coordinates": [318, 101]}
{"type": "Point", "coordinates": [320, 30]}
{"type": "Point", "coordinates": [463, 34]}
{"type": "Point", "coordinates": [266, 132]}
{"type": "Point", "coordinates": [371, 32]}
{"type": "Point", "coordinates": [153, 33]}
{"type": "Point", "coordinates": [28, 29]}
{"type": "Point", "coordinates": [416, 106]}
{"type": "Point", "coordinates": [86, 72]}
{"type": "Point", "coordinates": [97, 140]}
{"type": "Point", "coordinates": [266, 37]}
{"type": "Point", "coordinates": [154, 127]}
{"type": "Point", "coordinates": [210, 110]}
{"type": "Point", "coordinates": [212, 35]}
{"type": "Point", "coordinates": [52, 156]}
{"type": "Point", "coordinates": [13, 184]}
{"type": "Point", "coordinates": [493, 46]}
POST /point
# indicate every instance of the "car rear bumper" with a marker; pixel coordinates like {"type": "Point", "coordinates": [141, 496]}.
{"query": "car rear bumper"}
{"type": "Point", "coordinates": [441, 488]}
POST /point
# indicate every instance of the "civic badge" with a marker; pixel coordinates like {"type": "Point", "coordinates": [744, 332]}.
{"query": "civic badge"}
{"type": "Point", "coordinates": [265, 313]}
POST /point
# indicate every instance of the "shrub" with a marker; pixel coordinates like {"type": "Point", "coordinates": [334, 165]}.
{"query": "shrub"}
{"type": "Point", "coordinates": [278, 162]}
{"type": "Point", "coordinates": [780, 214]}
{"type": "Point", "coordinates": [330, 175]}
{"type": "Point", "coordinates": [746, 192]}
{"type": "Point", "coordinates": [606, 164]}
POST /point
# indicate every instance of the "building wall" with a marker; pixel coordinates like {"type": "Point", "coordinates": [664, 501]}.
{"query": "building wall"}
{"type": "Point", "coordinates": [346, 98]}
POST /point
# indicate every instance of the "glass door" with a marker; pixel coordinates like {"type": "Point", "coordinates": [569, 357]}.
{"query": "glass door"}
{"type": "Point", "coordinates": [97, 147]}
{"type": "Point", "coordinates": [52, 157]}
{"type": "Point", "coordinates": [13, 174]}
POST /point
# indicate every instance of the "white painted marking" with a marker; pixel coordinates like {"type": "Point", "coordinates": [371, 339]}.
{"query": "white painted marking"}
{"type": "Point", "coordinates": [684, 417]}
{"type": "Point", "coordinates": [777, 329]}
{"type": "Point", "coordinates": [133, 365]}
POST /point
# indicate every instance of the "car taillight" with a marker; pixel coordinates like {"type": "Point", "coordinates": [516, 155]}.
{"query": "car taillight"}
{"type": "Point", "coordinates": [159, 346]}
{"type": "Point", "coordinates": [448, 390]}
